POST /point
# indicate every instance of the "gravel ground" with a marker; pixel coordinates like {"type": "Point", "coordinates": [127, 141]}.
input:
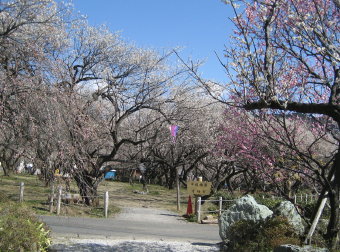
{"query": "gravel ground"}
{"type": "Point", "coordinates": [89, 245]}
{"type": "Point", "coordinates": [135, 214]}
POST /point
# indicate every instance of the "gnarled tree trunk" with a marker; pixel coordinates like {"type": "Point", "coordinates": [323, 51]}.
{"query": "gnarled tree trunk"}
{"type": "Point", "coordinates": [87, 188]}
{"type": "Point", "coordinates": [332, 235]}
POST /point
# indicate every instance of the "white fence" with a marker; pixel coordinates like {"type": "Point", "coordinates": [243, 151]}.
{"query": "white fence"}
{"type": "Point", "coordinates": [220, 207]}
{"type": "Point", "coordinates": [61, 199]}
{"type": "Point", "coordinates": [297, 199]}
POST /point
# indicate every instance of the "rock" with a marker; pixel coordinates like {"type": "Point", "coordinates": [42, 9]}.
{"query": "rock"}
{"type": "Point", "coordinates": [209, 219]}
{"type": "Point", "coordinates": [287, 248]}
{"type": "Point", "coordinates": [214, 221]}
{"type": "Point", "coordinates": [245, 208]}
{"type": "Point", "coordinates": [140, 192]}
{"type": "Point", "coordinates": [288, 210]}
{"type": "Point", "coordinates": [295, 248]}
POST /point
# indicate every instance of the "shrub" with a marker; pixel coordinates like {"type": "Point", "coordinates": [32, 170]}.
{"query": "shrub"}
{"type": "Point", "coordinates": [212, 208]}
{"type": "Point", "coordinates": [308, 210]}
{"type": "Point", "coordinates": [268, 202]}
{"type": "Point", "coordinates": [262, 235]}
{"type": "Point", "coordinates": [226, 196]}
{"type": "Point", "coordinates": [190, 217]}
{"type": "Point", "coordinates": [20, 230]}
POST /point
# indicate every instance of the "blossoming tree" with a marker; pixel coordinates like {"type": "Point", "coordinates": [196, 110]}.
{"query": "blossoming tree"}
{"type": "Point", "coordinates": [285, 56]}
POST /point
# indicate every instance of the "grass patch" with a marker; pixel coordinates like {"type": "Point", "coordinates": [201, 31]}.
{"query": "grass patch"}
{"type": "Point", "coordinates": [36, 197]}
{"type": "Point", "coordinates": [121, 194]}
{"type": "Point", "coordinates": [190, 217]}
{"type": "Point", "coordinates": [155, 193]}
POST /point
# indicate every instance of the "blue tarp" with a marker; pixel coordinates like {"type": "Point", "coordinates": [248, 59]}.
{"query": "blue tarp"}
{"type": "Point", "coordinates": [110, 174]}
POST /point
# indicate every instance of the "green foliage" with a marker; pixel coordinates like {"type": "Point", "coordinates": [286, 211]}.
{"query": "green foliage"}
{"type": "Point", "coordinates": [318, 236]}
{"type": "Point", "coordinates": [268, 202]}
{"type": "Point", "coordinates": [99, 211]}
{"type": "Point", "coordinates": [190, 217]}
{"type": "Point", "coordinates": [3, 199]}
{"type": "Point", "coordinates": [227, 197]}
{"type": "Point", "coordinates": [224, 194]}
{"type": "Point", "coordinates": [212, 208]}
{"type": "Point", "coordinates": [261, 236]}
{"type": "Point", "coordinates": [20, 230]}
{"type": "Point", "coordinates": [154, 193]}
{"type": "Point", "coordinates": [309, 208]}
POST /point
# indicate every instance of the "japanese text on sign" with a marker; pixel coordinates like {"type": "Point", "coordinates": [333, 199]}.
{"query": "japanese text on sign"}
{"type": "Point", "coordinates": [199, 188]}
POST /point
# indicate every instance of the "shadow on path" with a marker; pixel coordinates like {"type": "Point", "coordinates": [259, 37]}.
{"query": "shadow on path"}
{"type": "Point", "coordinates": [136, 246]}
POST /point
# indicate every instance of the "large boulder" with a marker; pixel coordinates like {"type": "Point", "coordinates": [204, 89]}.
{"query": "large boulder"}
{"type": "Point", "coordinates": [245, 208]}
{"type": "Point", "coordinates": [288, 210]}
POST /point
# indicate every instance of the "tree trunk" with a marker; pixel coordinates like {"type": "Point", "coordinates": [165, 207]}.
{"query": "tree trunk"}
{"type": "Point", "coordinates": [332, 235]}
{"type": "Point", "coordinates": [87, 189]}
{"type": "Point", "coordinates": [172, 178]}
{"type": "Point", "coordinates": [4, 168]}
{"type": "Point", "coordinates": [143, 180]}
{"type": "Point", "coordinates": [167, 182]}
{"type": "Point", "coordinates": [334, 196]}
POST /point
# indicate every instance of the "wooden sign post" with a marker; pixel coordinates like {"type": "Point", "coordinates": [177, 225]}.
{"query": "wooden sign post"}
{"type": "Point", "coordinates": [198, 188]}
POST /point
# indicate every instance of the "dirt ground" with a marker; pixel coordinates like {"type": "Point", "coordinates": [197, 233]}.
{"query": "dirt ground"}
{"type": "Point", "coordinates": [125, 195]}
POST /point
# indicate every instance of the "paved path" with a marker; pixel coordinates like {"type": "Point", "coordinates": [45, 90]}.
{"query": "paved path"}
{"type": "Point", "coordinates": [135, 225]}
{"type": "Point", "coordinates": [133, 246]}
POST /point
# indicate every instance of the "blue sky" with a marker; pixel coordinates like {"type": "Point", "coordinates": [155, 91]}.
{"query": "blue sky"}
{"type": "Point", "coordinates": [201, 27]}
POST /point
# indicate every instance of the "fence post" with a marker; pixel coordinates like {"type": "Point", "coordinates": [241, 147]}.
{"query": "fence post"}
{"type": "Point", "coordinates": [60, 189]}
{"type": "Point", "coordinates": [21, 195]}
{"type": "Point", "coordinates": [106, 203]}
{"type": "Point", "coordinates": [294, 199]}
{"type": "Point", "coordinates": [220, 206]}
{"type": "Point", "coordinates": [306, 198]}
{"type": "Point", "coordinates": [308, 239]}
{"type": "Point", "coordinates": [198, 209]}
{"type": "Point", "coordinates": [51, 199]}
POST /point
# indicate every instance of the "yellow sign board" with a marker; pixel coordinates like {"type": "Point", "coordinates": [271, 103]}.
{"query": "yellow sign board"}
{"type": "Point", "coordinates": [57, 173]}
{"type": "Point", "coordinates": [199, 188]}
